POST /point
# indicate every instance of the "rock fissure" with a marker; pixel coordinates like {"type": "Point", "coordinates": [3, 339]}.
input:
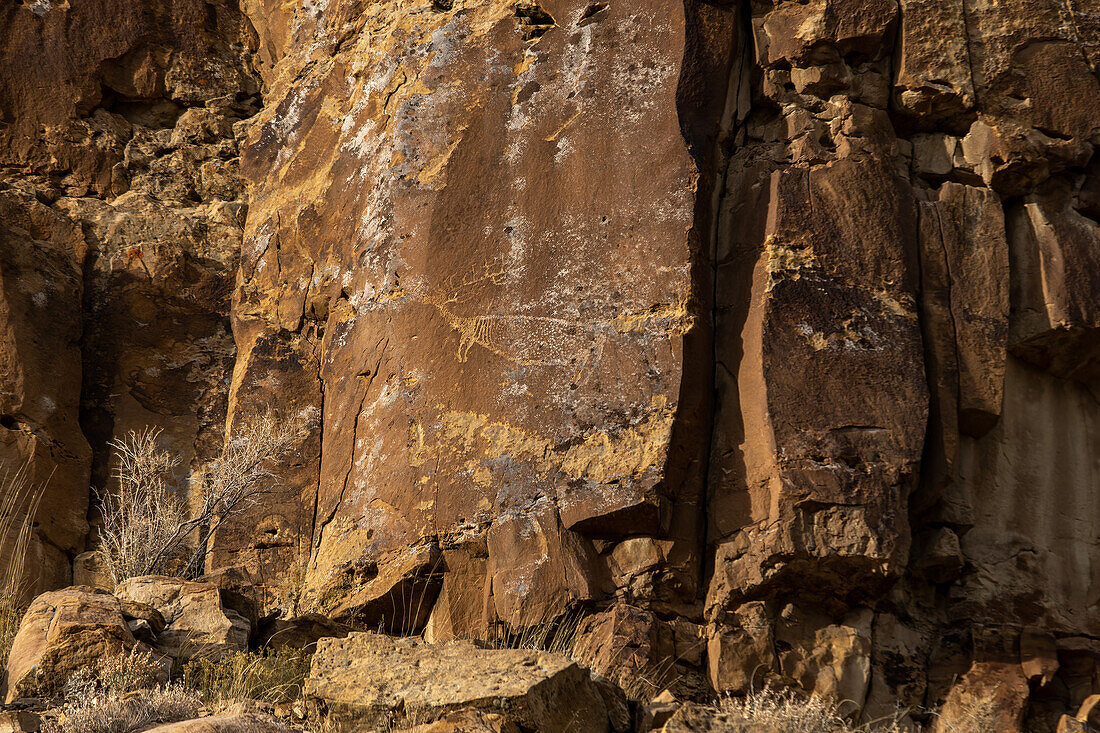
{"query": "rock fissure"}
{"type": "Point", "coordinates": [764, 331]}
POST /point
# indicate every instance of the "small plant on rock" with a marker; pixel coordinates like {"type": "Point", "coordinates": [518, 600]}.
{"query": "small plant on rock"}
{"type": "Point", "coordinates": [146, 526]}
{"type": "Point", "coordinates": [121, 695]}
{"type": "Point", "coordinates": [273, 675]}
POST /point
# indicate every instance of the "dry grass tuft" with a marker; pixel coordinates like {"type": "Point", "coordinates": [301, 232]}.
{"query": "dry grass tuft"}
{"type": "Point", "coordinates": [121, 695]}
{"type": "Point", "coordinates": [789, 712]}
{"type": "Point", "coordinates": [272, 676]}
{"type": "Point", "coordinates": [557, 636]}
{"type": "Point", "coordinates": [978, 717]}
{"type": "Point", "coordinates": [19, 502]}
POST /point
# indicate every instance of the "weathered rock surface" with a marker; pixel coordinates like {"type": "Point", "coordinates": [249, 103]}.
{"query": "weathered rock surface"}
{"type": "Point", "coordinates": [63, 631]}
{"type": "Point", "coordinates": [532, 354]}
{"type": "Point", "coordinates": [989, 695]}
{"type": "Point", "coordinates": [302, 632]}
{"type": "Point", "coordinates": [630, 645]}
{"type": "Point", "coordinates": [777, 323]}
{"type": "Point", "coordinates": [196, 623]}
{"type": "Point", "coordinates": [122, 212]}
{"type": "Point", "coordinates": [370, 680]}
{"type": "Point", "coordinates": [469, 722]}
{"type": "Point", "coordinates": [41, 286]}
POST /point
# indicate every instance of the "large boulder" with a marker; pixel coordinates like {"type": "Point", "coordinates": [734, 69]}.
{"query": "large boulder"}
{"type": "Point", "coordinates": [197, 622]}
{"type": "Point", "coordinates": [62, 632]}
{"type": "Point", "coordinates": [519, 333]}
{"type": "Point", "coordinates": [370, 680]}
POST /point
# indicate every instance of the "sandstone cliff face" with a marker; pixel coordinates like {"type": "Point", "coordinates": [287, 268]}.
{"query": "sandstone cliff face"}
{"type": "Point", "coordinates": [122, 223]}
{"type": "Point", "coordinates": [779, 321]}
{"type": "Point", "coordinates": [491, 332]}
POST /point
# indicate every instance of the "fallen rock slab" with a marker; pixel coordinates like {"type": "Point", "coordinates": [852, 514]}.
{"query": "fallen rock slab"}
{"type": "Point", "coordinates": [370, 680]}
{"type": "Point", "coordinates": [196, 621]}
{"type": "Point", "coordinates": [468, 721]}
{"type": "Point", "coordinates": [62, 632]}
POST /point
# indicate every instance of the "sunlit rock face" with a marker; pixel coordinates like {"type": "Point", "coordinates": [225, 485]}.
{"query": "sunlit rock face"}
{"type": "Point", "coordinates": [764, 332]}
{"type": "Point", "coordinates": [454, 257]}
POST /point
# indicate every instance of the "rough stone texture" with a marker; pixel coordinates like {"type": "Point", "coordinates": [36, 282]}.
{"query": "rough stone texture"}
{"type": "Point", "coordinates": [302, 632]}
{"type": "Point", "coordinates": [630, 646]}
{"type": "Point", "coordinates": [775, 321]}
{"type": "Point", "coordinates": [506, 364]}
{"type": "Point", "coordinates": [62, 632]}
{"type": "Point", "coordinates": [41, 260]}
{"type": "Point", "coordinates": [370, 680]}
{"type": "Point", "coordinates": [196, 623]}
{"type": "Point", "coordinates": [469, 721]}
{"type": "Point", "coordinates": [122, 213]}
{"type": "Point", "coordinates": [972, 125]}
{"type": "Point", "coordinates": [89, 570]}
{"type": "Point", "coordinates": [19, 721]}
{"type": "Point", "coordinates": [1002, 686]}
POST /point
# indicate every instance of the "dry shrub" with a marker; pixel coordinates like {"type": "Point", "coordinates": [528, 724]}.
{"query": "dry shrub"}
{"type": "Point", "coordinates": [19, 502]}
{"type": "Point", "coordinates": [141, 533]}
{"type": "Point", "coordinates": [121, 695]}
{"type": "Point", "coordinates": [275, 675]}
{"type": "Point", "coordinates": [146, 527]}
{"type": "Point", "coordinates": [792, 713]}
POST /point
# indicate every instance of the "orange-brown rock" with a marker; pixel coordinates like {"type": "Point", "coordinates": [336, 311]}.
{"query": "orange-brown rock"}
{"type": "Point", "coordinates": [41, 285]}
{"type": "Point", "coordinates": [469, 721]}
{"type": "Point", "coordinates": [990, 695]}
{"type": "Point", "coordinates": [1089, 713]}
{"type": "Point", "coordinates": [369, 680]}
{"type": "Point", "coordinates": [401, 244]}
{"type": "Point", "coordinates": [774, 322]}
{"type": "Point", "coordinates": [196, 621]}
{"type": "Point", "coordinates": [62, 632]}
{"type": "Point", "coordinates": [225, 723]}
{"type": "Point", "coordinates": [121, 179]}
{"type": "Point", "coordinates": [630, 646]}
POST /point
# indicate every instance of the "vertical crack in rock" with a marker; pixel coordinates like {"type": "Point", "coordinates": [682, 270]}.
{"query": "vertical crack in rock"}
{"type": "Point", "coordinates": [763, 333]}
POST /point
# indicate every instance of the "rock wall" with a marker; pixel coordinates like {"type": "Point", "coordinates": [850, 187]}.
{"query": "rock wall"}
{"type": "Point", "coordinates": [122, 223]}
{"type": "Point", "coordinates": [768, 332]}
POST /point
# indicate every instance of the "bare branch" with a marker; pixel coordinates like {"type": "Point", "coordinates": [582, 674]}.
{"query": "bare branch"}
{"type": "Point", "coordinates": [147, 529]}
